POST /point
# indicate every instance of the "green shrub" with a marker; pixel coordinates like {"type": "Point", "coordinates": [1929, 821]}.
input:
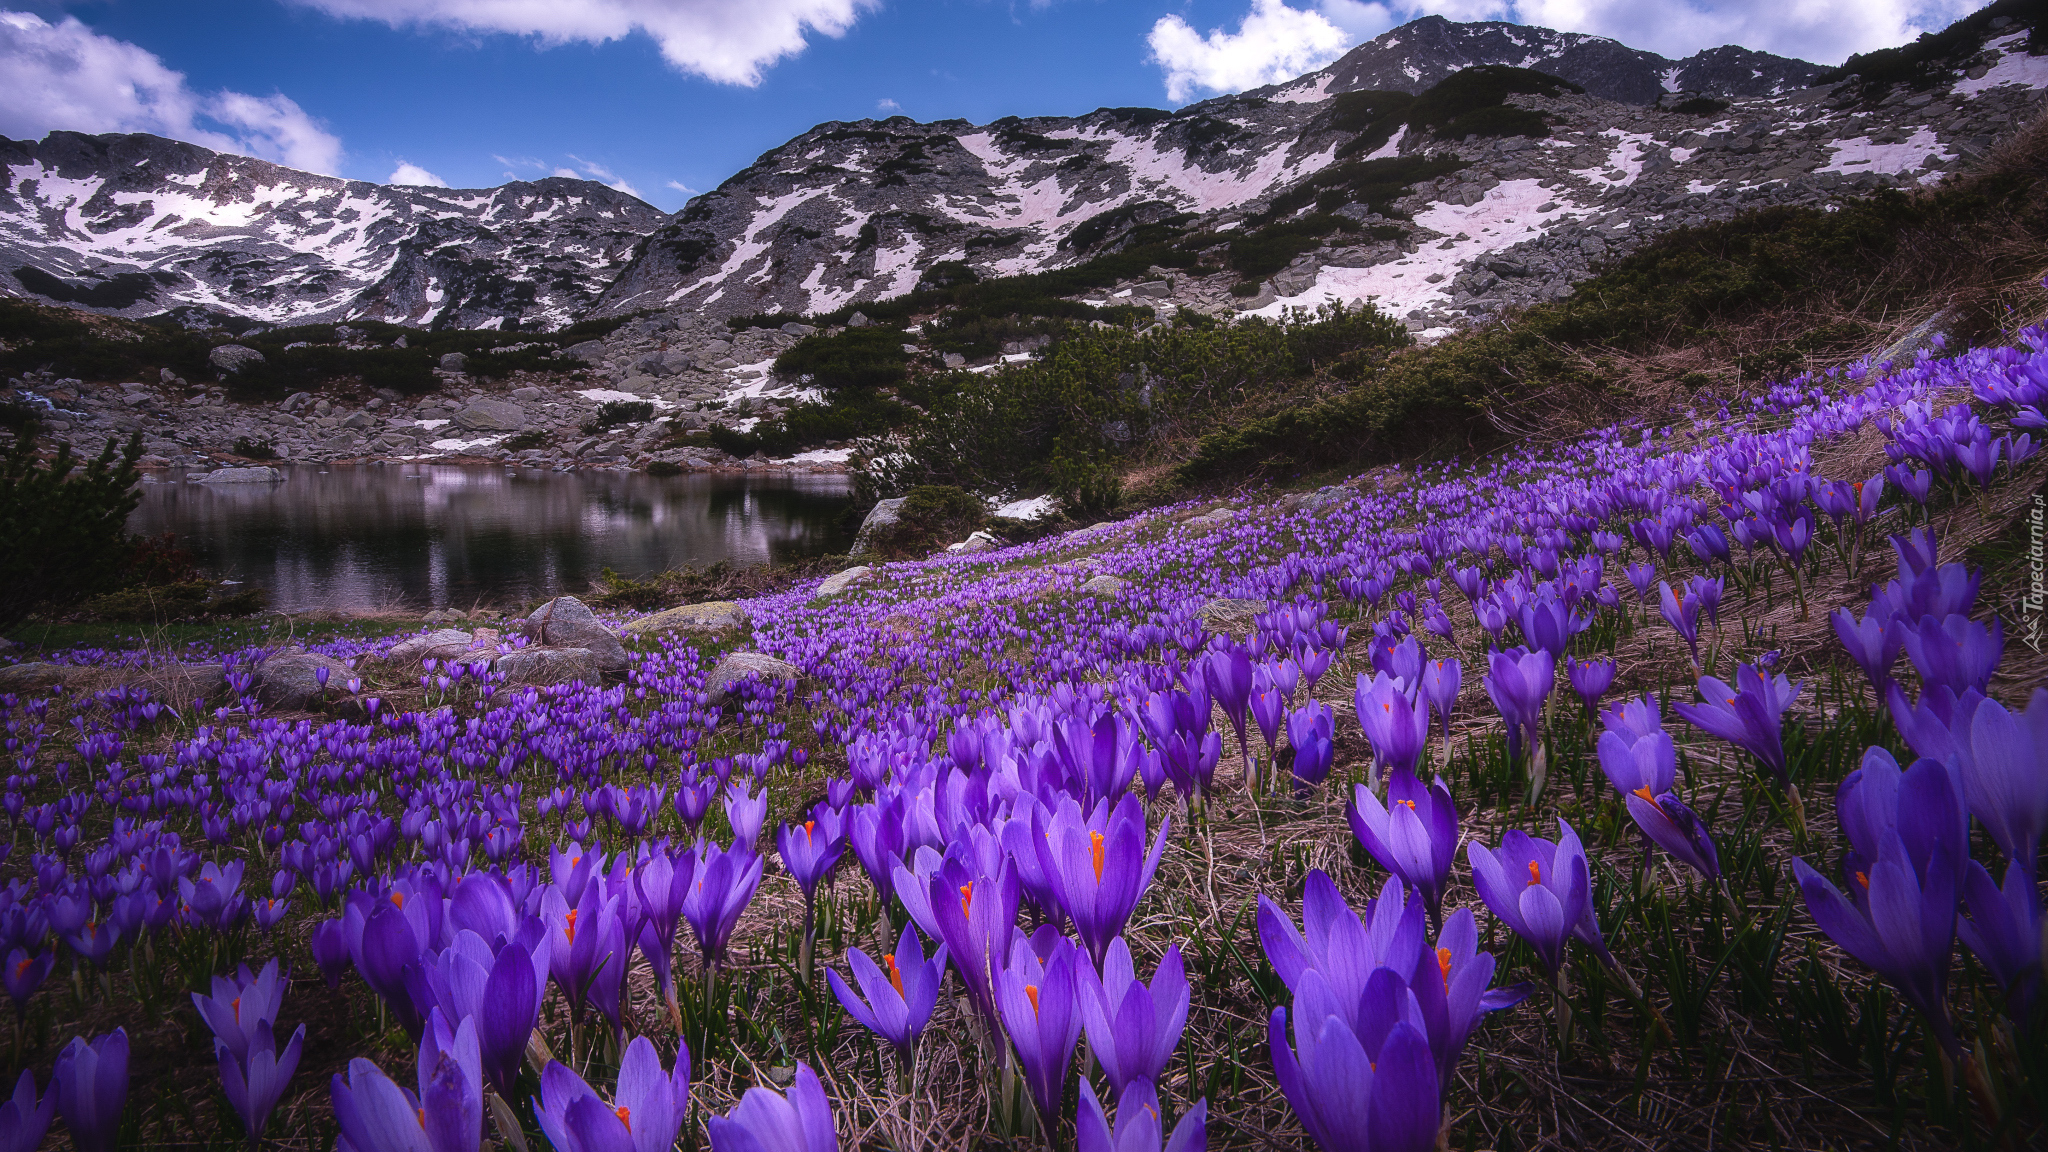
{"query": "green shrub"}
{"type": "Point", "coordinates": [255, 449]}
{"type": "Point", "coordinates": [1700, 106]}
{"type": "Point", "coordinates": [1374, 183]}
{"type": "Point", "coordinates": [531, 438]}
{"type": "Point", "coordinates": [613, 413]}
{"type": "Point", "coordinates": [63, 525]}
{"type": "Point", "coordinates": [664, 468]}
{"type": "Point", "coordinates": [855, 358]}
{"type": "Point", "coordinates": [932, 515]}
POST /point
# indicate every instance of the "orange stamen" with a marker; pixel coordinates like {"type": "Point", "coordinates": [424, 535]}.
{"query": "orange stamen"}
{"type": "Point", "coordinates": [966, 897]}
{"type": "Point", "coordinates": [1863, 880]}
{"type": "Point", "coordinates": [1096, 842]}
{"type": "Point", "coordinates": [809, 825]}
{"type": "Point", "coordinates": [1645, 794]}
{"type": "Point", "coordinates": [895, 974]}
{"type": "Point", "coordinates": [1031, 990]}
{"type": "Point", "coordinates": [1535, 873]}
{"type": "Point", "coordinates": [398, 899]}
{"type": "Point", "coordinates": [1409, 803]}
{"type": "Point", "coordinates": [569, 926]}
{"type": "Point", "coordinates": [1443, 962]}
{"type": "Point", "coordinates": [625, 1116]}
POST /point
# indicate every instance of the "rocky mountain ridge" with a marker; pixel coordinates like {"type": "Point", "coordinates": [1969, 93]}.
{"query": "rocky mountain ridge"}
{"type": "Point", "coordinates": [854, 212]}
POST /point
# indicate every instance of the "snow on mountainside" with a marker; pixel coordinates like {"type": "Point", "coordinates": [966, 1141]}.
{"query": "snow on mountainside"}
{"type": "Point", "coordinates": [138, 224]}
{"type": "Point", "coordinates": [853, 212]}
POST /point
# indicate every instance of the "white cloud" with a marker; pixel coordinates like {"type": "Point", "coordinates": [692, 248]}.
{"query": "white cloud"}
{"type": "Point", "coordinates": [568, 173]}
{"type": "Point", "coordinates": [416, 176]}
{"type": "Point", "coordinates": [679, 186]}
{"type": "Point", "coordinates": [1824, 31]}
{"type": "Point", "coordinates": [606, 176]}
{"type": "Point", "coordinates": [1273, 43]}
{"type": "Point", "coordinates": [887, 105]}
{"type": "Point", "coordinates": [729, 41]}
{"type": "Point", "coordinates": [65, 76]}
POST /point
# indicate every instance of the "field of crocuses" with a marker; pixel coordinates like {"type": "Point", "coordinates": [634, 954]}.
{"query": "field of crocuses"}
{"type": "Point", "coordinates": [1678, 786]}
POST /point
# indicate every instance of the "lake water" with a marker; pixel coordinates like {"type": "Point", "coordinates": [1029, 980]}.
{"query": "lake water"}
{"type": "Point", "coordinates": [423, 535]}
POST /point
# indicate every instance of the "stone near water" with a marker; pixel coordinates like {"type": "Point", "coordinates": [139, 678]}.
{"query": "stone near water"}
{"type": "Point", "coordinates": [884, 514]}
{"type": "Point", "coordinates": [734, 667]}
{"type": "Point", "coordinates": [549, 666]}
{"type": "Point", "coordinates": [711, 616]}
{"type": "Point", "coordinates": [291, 683]}
{"type": "Point", "coordinates": [487, 415]}
{"type": "Point", "coordinates": [259, 474]}
{"type": "Point", "coordinates": [839, 582]}
{"type": "Point", "coordinates": [566, 622]}
{"type": "Point", "coordinates": [36, 674]}
{"type": "Point", "coordinates": [442, 644]}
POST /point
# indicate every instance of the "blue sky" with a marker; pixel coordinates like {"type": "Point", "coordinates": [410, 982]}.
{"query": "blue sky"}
{"type": "Point", "coordinates": [656, 94]}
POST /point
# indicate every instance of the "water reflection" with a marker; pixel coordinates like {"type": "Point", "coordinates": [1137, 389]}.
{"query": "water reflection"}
{"type": "Point", "coordinates": [440, 535]}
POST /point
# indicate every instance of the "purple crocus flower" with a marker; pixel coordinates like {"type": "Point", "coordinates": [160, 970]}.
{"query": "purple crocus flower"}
{"type": "Point", "coordinates": [744, 812]}
{"type": "Point", "coordinates": [1540, 889]}
{"type": "Point", "coordinates": [376, 1115]}
{"type": "Point", "coordinates": [1590, 680]}
{"type": "Point", "coordinates": [644, 1115]}
{"type": "Point", "coordinates": [1683, 614]}
{"type": "Point", "coordinates": [256, 1081]}
{"type": "Point", "coordinates": [898, 1004]}
{"type": "Point", "coordinates": [2002, 759]}
{"type": "Point", "coordinates": [724, 885]}
{"type": "Point", "coordinates": [1749, 715]}
{"type": "Point", "coordinates": [1519, 681]}
{"type": "Point", "coordinates": [1098, 867]}
{"type": "Point", "coordinates": [1874, 642]}
{"type": "Point", "coordinates": [23, 1122]}
{"type": "Point", "coordinates": [90, 1082]}
{"type": "Point", "coordinates": [976, 915]}
{"type": "Point", "coordinates": [238, 1006]}
{"type": "Point", "coordinates": [1228, 677]}
{"type": "Point", "coordinates": [1310, 729]}
{"type": "Point", "coordinates": [1138, 1124]}
{"type": "Point", "coordinates": [769, 1121]}
{"type": "Point", "coordinates": [812, 849]}
{"type": "Point", "coordinates": [24, 974]}
{"type": "Point", "coordinates": [1352, 1100]}
{"type": "Point", "coordinates": [2003, 930]}
{"type": "Point", "coordinates": [1665, 819]}
{"type": "Point", "coordinates": [1414, 834]}
{"type": "Point", "coordinates": [587, 950]}
{"type": "Point", "coordinates": [1040, 1010]}
{"type": "Point", "coordinates": [1268, 704]}
{"type": "Point", "coordinates": [1132, 1028]}
{"type": "Point", "coordinates": [1395, 722]}
{"type": "Point", "coordinates": [1955, 652]}
{"type": "Point", "coordinates": [1441, 680]}
{"type": "Point", "coordinates": [1908, 838]}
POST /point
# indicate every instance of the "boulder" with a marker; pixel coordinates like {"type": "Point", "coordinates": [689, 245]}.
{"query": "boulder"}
{"type": "Point", "coordinates": [1213, 517]}
{"type": "Point", "coordinates": [734, 667]}
{"type": "Point", "coordinates": [529, 392]}
{"type": "Point", "coordinates": [487, 415]}
{"type": "Point", "coordinates": [549, 666]}
{"type": "Point", "coordinates": [1231, 616]}
{"type": "Point", "coordinates": [712, 616]}
{"type": "Point", "coordinates": [590, 351]}
{"type": "Point", "coordinates": [296, 400]}
{"type": "Point", "coordinates": [35, 675]}
{"type": "Point", "coordinates": [231, 358]}
{"type": "Point", "coordinates": [884, 514]}
{"type": "Point", "coordinates": [797, 328]}
{"type": "Point", "coordinates": [442, 617]}
{"type": "Point", "coordinates": [566, 622]}
{"type": "Point", "coordinates": [975, 542]}
{"type": "Point", "coordinates": [454, 362]}
{"type": "Point", "coordinates": [840, 581]}
{"type": "Point", "coordinates": [1105, 585]}
{"type": "Point", "coordinates": [291, 682]}
{"type": "Point", "coordinates": [259, 474]}
{"type": "Point", "coordinates": [442, 644]}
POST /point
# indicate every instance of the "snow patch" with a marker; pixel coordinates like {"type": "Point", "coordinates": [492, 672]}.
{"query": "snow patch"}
{"type": "Point", "coordinates": [1860, 155]}
{"type": "Point", "coordinates": [1027, 509]}
{"type": "Point", "coordinates": [2014, 67]}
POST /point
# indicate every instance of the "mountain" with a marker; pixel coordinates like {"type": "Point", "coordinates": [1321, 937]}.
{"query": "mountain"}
{"type": "Point", "coordinates": [1442, 170]}
{"type": "Point", "coordinates": [1420, 54]}
{"type": "Point", "coordinates": [137, 224]}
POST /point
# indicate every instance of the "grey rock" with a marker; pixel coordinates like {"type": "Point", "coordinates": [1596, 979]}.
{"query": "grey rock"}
{"type": "Point", "coordinates": [259, 474]}
{"type": "Point", "coordinates": [549, 666]}
{"type": "Point", "coordinates": [734, 667]}
{"type": "Point", "coordinates": [839, 582]}
{"type": "Point", "coordinates": [1229, 615]}
{"type": "Point", "coordinates": [954, 360]}
{"type": "Point", "coordinates": [454, 362]}
{"type": "Point", "coordinates": [33, 675]}
{"type": "Point", "coordinates": [1105, 585]}
{"type": "Point", "coordinates": [567, 622]}
{"type": "Point", "coordinates": [295, 401]}
{"type": "Point", "coordinates": [711, 616]}
{"type": "Point", "coordinates": [883, 515]}
{"type": "Point", "coordinates": [796, 329]}
{"type": "Point", "coordinates": [858, 320]}
{"type": "Point", "coordinates": [487, 415]}
{"type": "Point", "coordinates": [975, 542]}
{"type": "Point", "coordinates": [590, 351]}
{"type": "Point", "coordinates": [291, 682]}
{"type": "Point", "coordinates": [441, 644]}
{"type": "Point", "coordinates": [528, 394]}
{"type": "Point", "coordinates": [232, 358]}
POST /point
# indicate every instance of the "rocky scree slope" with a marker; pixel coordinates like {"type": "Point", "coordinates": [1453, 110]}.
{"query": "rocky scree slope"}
{"type": "Point", "coordinates": [138, 225]}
